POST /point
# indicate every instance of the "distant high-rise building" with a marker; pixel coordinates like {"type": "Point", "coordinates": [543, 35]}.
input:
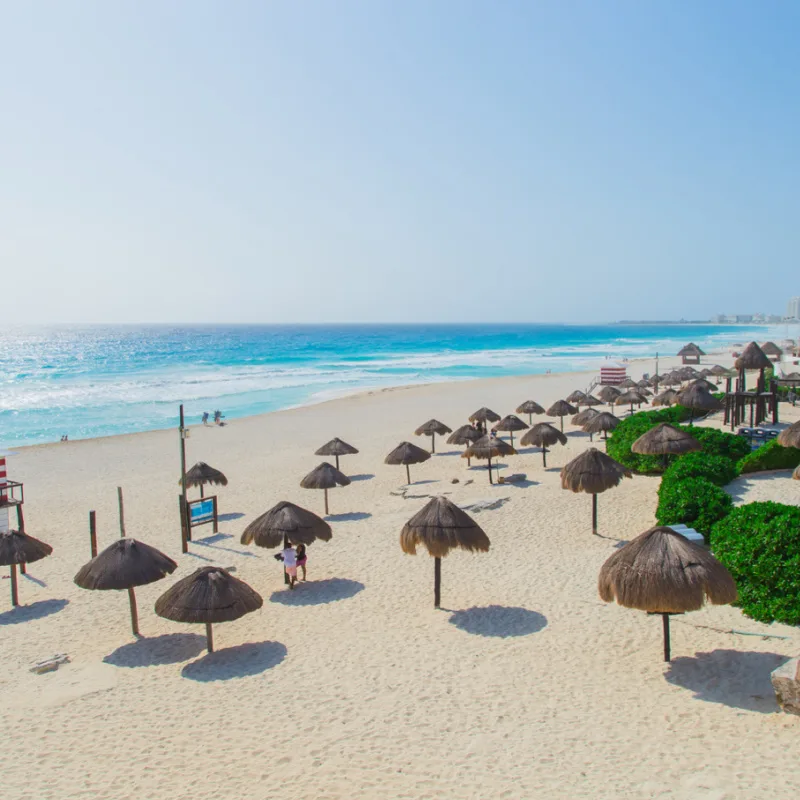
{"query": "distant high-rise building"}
{"type": "Point", "coordinates": [793, 308]}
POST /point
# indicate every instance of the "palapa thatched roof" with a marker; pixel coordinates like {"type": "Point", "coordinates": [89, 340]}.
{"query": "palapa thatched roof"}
{"type": "Point", "coordinates": [530, 407]}
{"type": "Point", "coordinates": [705, 372]}
{"type": "Point", "coordinates": [752, 357]}
{"type": "Point", "coordinates": [691, 349]}
{"type": "Point", "coordinates": [407, 453]}
{"type": "Point", "coordinates": [602, 422]}
{"type": "Point", "coordinates": [627, 383]}
{"type": "Point", "coordinates": [561, 408]}
{"type": "Point", "coordinates": [432, 427]}
{"type": "Point", "coordinates": [644, 383]}
{"type": "Point", "coordinates": [631, 396]}
{"type": "Point", "coordinates": [441, 526]}
{"type": "Point", "coordinates": [575, 396]}
{"type": "Point", "coordinates": [719, 371]}
{"type": "Point", "coordinates": [666, 398]}
{"type": "Point", "coordinates": [644, 392]}
{"type": "Point", "coordinates": [209, 594]}
{"type": "Point", "coordinates": [487, 447]}
{"type": "Point", "coordinates": [771, 349]}
{"type": "Point", "coordinates": [702, 382]}
{"type": "Point", "coordinates": [484, 415]}
{"type": "Point", "coordinates": [582, 417]}
{"type": "Point", "coordinates": [592, 472]}
{"type": "Point", "coordinates": [510, 423]}
{"type": "Point", "coordinates": [336, 447]}
{"type": "Point", "coordinates": [654, 380]}
{"type": "Point", "coordinates": [19, 548]}
{"type": "Point", "coordinates": [698, 397]}
{"type": "Point", "coordinates": [790, 437]}
{"type": "Point", "coordinates": [687, 373]}
{"type": "Point", "coordinates": [671, 379]}
{"type": "Point", "coordinates": [609, 393]}
{"type": "Point", "coordinates": [590, 400]}
{"type": "Point", "coordinates": [324, 476]}
{"type": "Point", "coordinates": [464, 435]}
{"type": "Point", "coordinates": [286, 519]}
{"type": "Point", "coordinates": [665, 439]}
{"type": "Point", "coordinates": [543, 435]}
{"type": "Point", "coordinates": [201, 474]}
{"type": "Point", "coordinates": [661, 571]}
{"type": "Point", "coordinates": [124, 564]}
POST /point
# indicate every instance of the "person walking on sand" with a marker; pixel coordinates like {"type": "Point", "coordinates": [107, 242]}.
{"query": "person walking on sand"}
{"type": "Point", "coordinates": [205, 418]}
{"type": "Point", "coordinates": [302, 559]}
{"type": "Point", "coordinates": [289, 558]}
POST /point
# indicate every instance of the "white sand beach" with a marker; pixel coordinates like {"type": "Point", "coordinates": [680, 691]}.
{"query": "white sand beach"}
{"type": "Point", "coordinates": [523, 685]}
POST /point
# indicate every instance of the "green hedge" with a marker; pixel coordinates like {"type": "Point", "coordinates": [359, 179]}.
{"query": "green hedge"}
{"type": "Point", "coordinates": [695, 502]}
{"type": "Point", "coordinates": [770, 456]}
{"type": "Point", "coordinates": [720, 470]}
{"type": "Point", "coordinates": [760, 544]}
{"type": "Point", "coordinates": [719, 443]}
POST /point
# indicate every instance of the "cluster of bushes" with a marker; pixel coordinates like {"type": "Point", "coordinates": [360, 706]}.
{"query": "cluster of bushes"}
{"type": "Point", "coordinates": [759, 543]}
{"type": "Point", "coordinates": [720, 470]}
{"type": "Point", "coordinates": [770, 456]}
{"type": "Point", "coordinates": [696, 502]}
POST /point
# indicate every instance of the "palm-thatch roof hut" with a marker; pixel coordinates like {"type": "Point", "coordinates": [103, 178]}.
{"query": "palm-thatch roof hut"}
{"type": "Point", "coordinates": [582, 417]}
{"type": "Point", "coordinates": [631, 396]}
{"type": "Point", "coordinates": [208, 595]}
{"type": "Point", "coordinates": [671, 379]}
{"type": "Point", "coordinates": [608, 394]}
{"type": "Point", "coordinates": [286, 524]}
{"type": "Point", "coordinates": [661, 572]}
{"type": "Point", "coordinates": [790, 437]}
{"type": "Point", "coordinates": [484, 416]}
{"type": "Point", "coordinates": [325, 476]}
{"type": "Point", "coordinates": [666, 398]}
{"type": "Point", "coordinates": [602, 423]}
{"type": "Point", "coordinates": [407, 453]}
{"type": "Point", "coordinates": [125, 564]}
{"type": "Point", "coordinates": [530, 407]}
{"type": "Point", "coordinates": [466, 434]}
{"type": "Point", "coordinates": [441, 526]}
{"type": "Point", "coordinates": [665, 440]}
{"type": "Point", "coordinates": [201, 474]}
{"type": "Point", "coordinates": [590, 400]}
{"type": "Point", "coordinates": [575, 397]}
{"type": "Point", "coordinates": [16, 547]}
{"type": "Point", "coordinates": [593, 472]}
{"type": "Point", "coordinates": [690, 354]}
{"type": "Point", "coordinates": [697, 398]}
{"type": "Point", "coordinates": [431, 428]}
{"type": "Point", "coordinates": [543, 435]}
{"type": "Point", "coordinates": [772, 351]}
{"type": "Point", "coordinates": [751, 358]}
{"type": "Point", "coordinates": [628, 383]}
{"type": "Point", "coordinates": [654, 380]}
{"type": "Point", "coordinates": [336, 447]}
{"type": "Point", "coordinates": [488, 447]}
{"type": "Point", "coordinates": [510, 423]}
{"type": "Point", "coordinates": [561, 408]}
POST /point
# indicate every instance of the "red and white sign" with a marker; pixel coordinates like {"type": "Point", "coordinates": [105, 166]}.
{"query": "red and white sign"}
{"type": "Point", "coordinates": [612, 374]}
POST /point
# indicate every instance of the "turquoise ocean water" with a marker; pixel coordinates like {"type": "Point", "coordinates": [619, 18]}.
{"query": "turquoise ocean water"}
{"type": "Point", "coordinates": [98, 381]}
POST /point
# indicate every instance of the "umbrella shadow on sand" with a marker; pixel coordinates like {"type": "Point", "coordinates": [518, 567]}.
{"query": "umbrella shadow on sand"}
{"type": "Point", "coordinates": [171, 648]}
{"type": "Point", "coordinates": [730, 677]}
{"type": "Point", "coordinates": [499, 621]}
{"type": "Point", "coordinates": [366, 476]}
{"type": "Point", "coordinates": [31, 611]}
{"type": "Point", "coordinates": [352, 516]}
{"type": "Point", "coordinates": [314, 593]}
{"type": "Point", "coordinates": [211, 541]}
{"type": "Point", "coordinates": [241, 661]}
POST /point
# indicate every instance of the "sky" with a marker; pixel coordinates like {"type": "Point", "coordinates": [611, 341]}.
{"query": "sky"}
{"type": "Point", "coordinates": [384, 161]}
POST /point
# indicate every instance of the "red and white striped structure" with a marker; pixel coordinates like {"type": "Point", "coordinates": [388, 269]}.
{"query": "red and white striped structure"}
{"type": "Point", "coordinates": [612, 374]}
{"type": "Point", "coordinates": [3, 511]}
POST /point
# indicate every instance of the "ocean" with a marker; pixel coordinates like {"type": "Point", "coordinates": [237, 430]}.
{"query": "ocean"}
{"type": "Point", "coordinates": [104, 380]}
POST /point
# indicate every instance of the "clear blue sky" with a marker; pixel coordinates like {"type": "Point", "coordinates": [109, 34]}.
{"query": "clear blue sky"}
{"type": "Point", "coordinates": [398, 161]}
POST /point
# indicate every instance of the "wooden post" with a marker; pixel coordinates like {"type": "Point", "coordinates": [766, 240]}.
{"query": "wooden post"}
{"type": "Point", "coordinates": [665, 618]}
{"type": "Point", "coordinates": [216, 516]}
{"type": "Point", "coordinates": [433, 443]}
{"type": "Point", "coordinates": [594, 514]}
{"type": "Point", "coordinates": [437, 582]}
{"type": "Point", "coordinates": [92, 533]}
{"type": "Point", "coordinates": [209, 638]}
{"type": "Point", "coordinates": [184, 524]}
{"type": "Point", "coordinates": [337, 462]}
{"type": "Point", "coordinates": [201, 492]}
{"type": "Point", "coordinates": [562, 423]}
{"type": "Point", "coordinates": [134, 612]}
{"type": "Point", "coordinates": [489, 467]}
{"type": "Point", "coordinates": [408, 475]}
{"type": "Point", "coordinates": [544, 456]}
{"type": "Point", "coordinates": [121, 513]}
{"type": "Point", "coordinates": [326, 500]}
{"type": "Point", "coordinates": [21, 529]}
{"type": "Point", "coordinates": [182, 433]}
{"type": "Point", "coordinates": [14, 592]}
{"type": "Point", "coordinates": [285, 545]}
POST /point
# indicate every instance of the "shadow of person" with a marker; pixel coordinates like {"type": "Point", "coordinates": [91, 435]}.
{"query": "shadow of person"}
{"type": "Point", "coordinates": [352, 516]}
{"type": "Point", "coordinates": [240, 661]}
{"type": "Point", "coordinates": [171, 648]}
{"type": "Point", "coordinates": [314, 593]}
{"type": "Point", "coordinates": [502, 621]}
{"type": "Point", "coordinates": [731, 677]}
{"type": "Point", "coordinates": [37, 610]}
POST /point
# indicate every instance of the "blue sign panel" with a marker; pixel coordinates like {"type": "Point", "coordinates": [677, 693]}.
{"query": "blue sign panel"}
{"type": "Point", "coordinates": [201, 511]}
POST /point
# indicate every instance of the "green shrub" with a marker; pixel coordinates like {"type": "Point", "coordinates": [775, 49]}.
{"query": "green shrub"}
{"type": "Point", "coordinates": [719, 443]}
{"type": "Point", "coordinates": [717, 469]}
{"type": "Point", "coordinates": [770, 456]}
{"type": "Point", "coordinates": [760, 544]}
{"type": "Point", "coordinates": [694, 501]}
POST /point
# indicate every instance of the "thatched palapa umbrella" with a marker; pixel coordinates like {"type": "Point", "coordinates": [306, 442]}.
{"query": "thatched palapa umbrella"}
{"type": "Point", "coordinates": [543, 435]}
{"type": "Point", "coordinates": [16, 547]}
{"type": "Point", "coordinates": [576, 397]}
{"type": "Point", "coordinates": [201, 474]}
{"type": "Point", "coordinates": [407, 453]}
{"type": "Point", "coordinates": [336, 447]}
{"type": "Point", "coordinates": [591, 400]}
{"type": "Point", "coordinates": [441, 526]}
{"type": "Point", "coordinates": [561, 408]}
{"type": "Point", "coordinates": [488, 448]}
{"type": "Point", "coordinates": [286, 524]}
{"type": "Point", "coordinates": [697, 398]}
{"type": "Point", "coordinates": [666, 398]}
{"type": "Point", "coordinates": [608, 394]}
{"type": "Point", "coordinates": [631, 397]}
{"type": "Point", "coordinates": [582, 417]}
{"type": "Point", "coordinates": [603, 422]}
{"type": "Point", "coordinates": [431, 428]}
{"type": "Point", "coordinates": [593, 472]}
{"type": "Point", "coordinates": [208, 595]}
{"type": "Point", "coordinates": [510, 423]}
{"type": "Point", "coordinates": [662, 572]}
{"type": "Point", "coordinates": [771, 350]}
{"type": "Point", "coordinates": [485, 416]}
{"type": "Point", "coordinates": [627, 383]}
{"type": "Point", "coordinates": [530, 408]}
{"type": "Point", "coordinates": [466, 434]}
{"type": "Point", "coordinates": [665, 440]}
{"type": "Point", "coordinates": [125, 564]}
{"type": "Point", "coordinates": [325, 477]}
{"type": "Point", "coordinates": [790, 437]}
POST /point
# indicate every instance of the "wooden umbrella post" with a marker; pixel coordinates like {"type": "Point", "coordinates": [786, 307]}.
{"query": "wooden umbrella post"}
{"type": "Point", "coordinates": [14, 592]}
{"type": "Point", "coordinates": [326, 500]}
{"type": "Point", "coordinates": [665, 618]}
{"type": "Point", "coordinates": [544, 457]}
{"type": "Point", "coordinates": [337, 461]}
{"type": "Point", "coordinates": [285, 574]}
{"type": "Point", "coordinates": [408, 475]}
{"type": "Point", "coordinates": [92, 533]}
{"type": "Point", "coordinates": [433, 443]}
{"type": "Point", "coordinates": [594, 514]}
{"type": "Point", "coordinates": [562, 424]}
{"type": "Point", "coordinates": [121, 513]}
{"type": "Point", "coordinates": [134, 612]}
{"type": "Point", "coordinates": [182, 436]}
{"type": "Point", "coordinates": [489, 467]}
{"type": "Point", "coordinates": [201, 492]}
{"type": "Point", "coordinates": [209, 638]}
{"type": "Point", "coordinates": [437, 582]}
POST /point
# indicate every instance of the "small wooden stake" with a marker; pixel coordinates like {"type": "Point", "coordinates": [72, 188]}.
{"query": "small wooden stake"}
{"type": "Point", "coordinates": [665, 618]}
{"type": "Point", "coordinates": [594, 514]}
{"type": "Point", "coordinates": [134, 612]}
{"type": "Point", "coordinates": [121, 513]}
{"type": "Point", "coordinates": [437, 582]}
{"type": "Point", "coordinates": [209, 638]}
{"type": "Point", "coordinates": [14, 593]}
{"type": "Point", "coordinates": [93, 533]}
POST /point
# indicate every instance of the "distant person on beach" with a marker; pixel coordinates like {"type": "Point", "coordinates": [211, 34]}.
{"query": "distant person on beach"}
{"type": "Point", "coordinates": [302, 559]}
{"type": "Point", "coordinates": [289, 558]}
{"type": "Point", "coordinates": [218, 418]}
{"type": "Point", "coordinates": [205, 418]}
{"type": "Point", "coordinates": [493, 435]}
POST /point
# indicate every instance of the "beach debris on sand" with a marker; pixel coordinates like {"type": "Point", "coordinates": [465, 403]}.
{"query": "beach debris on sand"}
{"type": "Point", "coordinates": [786, 682]}
{"type": "Point", "coordinates": [50, 664]}
{"type": "Point", "coordinates": [476, 506]}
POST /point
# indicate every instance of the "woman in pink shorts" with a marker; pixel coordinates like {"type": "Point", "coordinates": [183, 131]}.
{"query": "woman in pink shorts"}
{"type": "Point", "coordinates": [289, 558]}
{"type": "Point", "coordinates": [302, 558]}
